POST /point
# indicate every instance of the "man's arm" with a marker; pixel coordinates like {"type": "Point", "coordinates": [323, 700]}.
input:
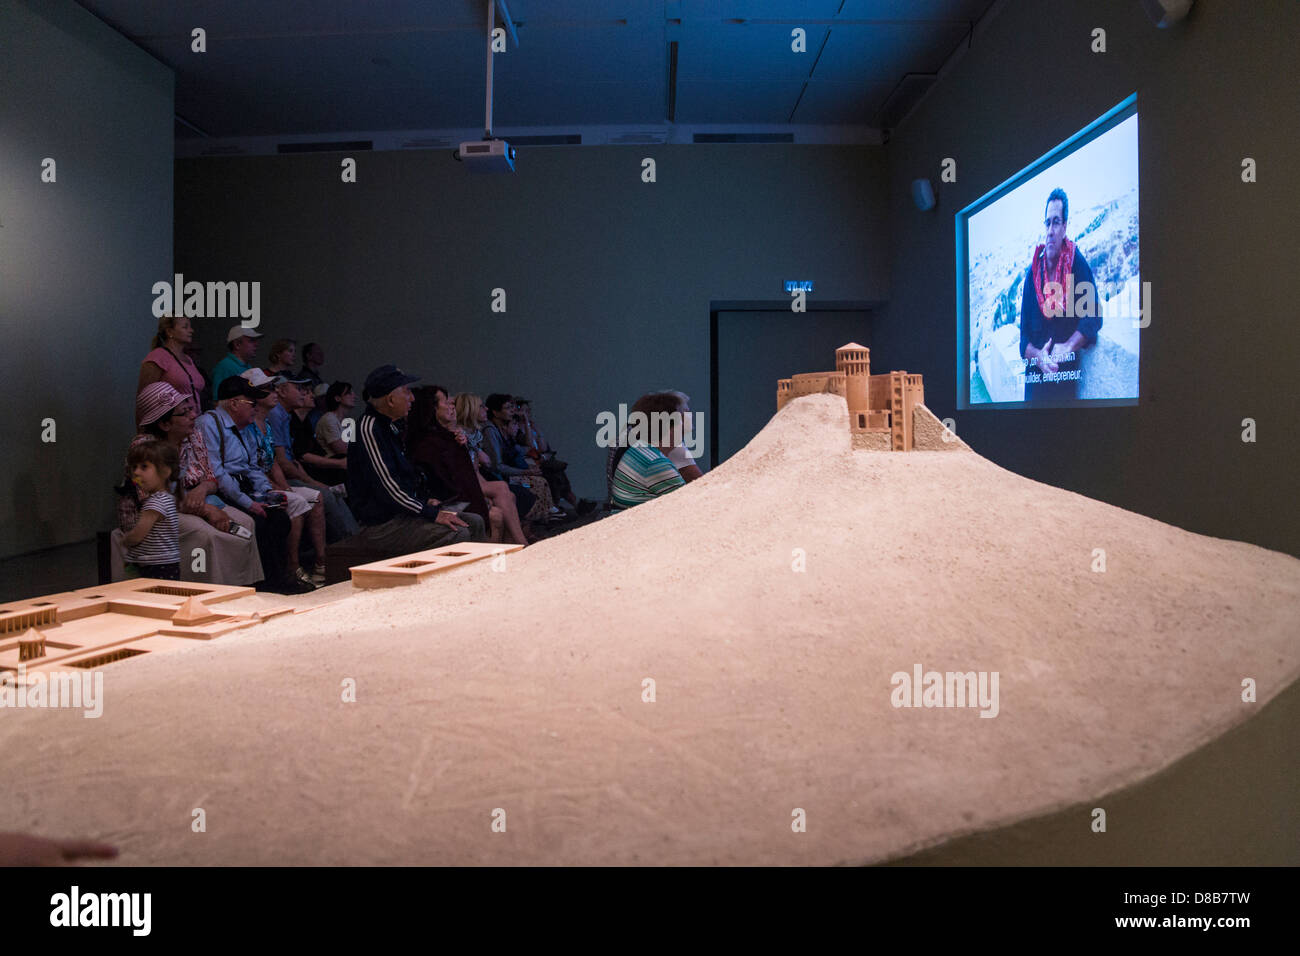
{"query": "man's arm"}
{"type": "Point", "coordinates": [380, 457]}
{"type": "Point", "coordinates": [291, 469]}
{"type": "Point", "coordinates": [1090, 325]}
{"type": "Point", "coordinates": [227, 486]}
{"type": "Point", "coordinates": [492, 438]}
{"type": "Point", "coordinates": [1028, 302]}
{"type": "Point", "coordinates": [320, 461]}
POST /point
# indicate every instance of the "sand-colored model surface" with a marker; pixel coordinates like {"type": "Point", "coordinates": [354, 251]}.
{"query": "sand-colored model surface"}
{"type": "Point", "coordinates": [674, 684]}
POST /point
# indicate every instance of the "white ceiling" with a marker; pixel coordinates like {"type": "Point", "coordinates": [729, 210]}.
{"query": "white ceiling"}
{"type": "Point", "coordinates": [281, 67]}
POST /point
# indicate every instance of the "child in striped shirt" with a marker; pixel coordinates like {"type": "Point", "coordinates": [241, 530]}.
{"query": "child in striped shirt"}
{"type": "Point", "coordinates": [153, 545]}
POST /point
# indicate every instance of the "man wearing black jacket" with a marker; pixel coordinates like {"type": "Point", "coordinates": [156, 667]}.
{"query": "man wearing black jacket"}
{"type": "Point", "coordinates": [384, 488]}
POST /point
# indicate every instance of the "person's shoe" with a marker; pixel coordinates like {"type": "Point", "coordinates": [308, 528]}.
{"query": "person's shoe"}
{"type": "Point", "coordinates": [304, 579]}
{"type": "Point", "coordinates": [291, 585]}
{"type": "Point", "coordinates": [318, 575]}
{"type": "Point", "coordinates": [586, 506]}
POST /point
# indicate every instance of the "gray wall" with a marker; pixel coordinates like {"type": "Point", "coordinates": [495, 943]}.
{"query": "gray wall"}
{"type": "Point", "coordinates": [77, 260]}
{"type": "Point", "coordinates": [1219, 254]}
{"type": "Point", "coordinates": [609, 280]}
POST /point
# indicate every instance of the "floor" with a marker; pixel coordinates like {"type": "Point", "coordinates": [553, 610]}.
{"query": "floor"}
{"type": "Point", "coordinates": [65, 568]}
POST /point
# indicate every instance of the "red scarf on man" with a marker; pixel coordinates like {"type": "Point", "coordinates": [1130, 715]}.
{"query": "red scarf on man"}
{"type": "Point", "coordinates": [1052, 305]}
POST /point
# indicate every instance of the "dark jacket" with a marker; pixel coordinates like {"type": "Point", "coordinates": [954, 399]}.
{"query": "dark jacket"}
{"type": "Point", "coordinates": [1036, 329]}
{"type": "Point", "coordinates": [382, 483]}
{"type": "Point", "coordinates": [447, 463]}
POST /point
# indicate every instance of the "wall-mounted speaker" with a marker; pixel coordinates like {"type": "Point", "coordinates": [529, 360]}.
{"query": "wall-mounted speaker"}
{"type": "Point", "coordinates": [923, 194]}
{"type": "Point", "coordinates": [1164, 13]}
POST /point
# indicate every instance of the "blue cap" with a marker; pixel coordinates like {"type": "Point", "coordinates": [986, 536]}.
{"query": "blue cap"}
{"type": "Point", "coordinates": [384, 379]}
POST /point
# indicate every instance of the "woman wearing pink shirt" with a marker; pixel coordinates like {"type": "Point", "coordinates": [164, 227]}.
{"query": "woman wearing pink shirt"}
{"type": "Point", "coordinates": [169, 363]}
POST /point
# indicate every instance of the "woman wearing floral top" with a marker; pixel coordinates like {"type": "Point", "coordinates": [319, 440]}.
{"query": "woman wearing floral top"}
{"type": "Point", "coordinates": [167, 415]}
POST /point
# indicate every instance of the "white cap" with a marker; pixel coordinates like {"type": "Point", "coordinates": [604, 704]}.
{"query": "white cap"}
{"type": "Point", "coordinates": [259, 379]}
{"type": "Point", "coordinates": [238, 331]}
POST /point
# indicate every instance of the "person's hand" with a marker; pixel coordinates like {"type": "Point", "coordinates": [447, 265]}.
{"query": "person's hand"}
{"type": "Point", "coordinates": [484, 460]}
{"type": "Point", "coordinates": [194, 501]}
{"type": "Point", "coordinates": [460, 436]}
{"type": "Point", "coordinates": [1045, 357]}
{"type": "Point", "coordinates": [20, 849]}
{"type": "Point", "coordinates": [450, 519]}
{"type": "Point", "coordinates": [217, 517]}
{"type": "Point", "coordinates": [257, 508]}
{"type": "Point", "coordinates": [1059, 352]}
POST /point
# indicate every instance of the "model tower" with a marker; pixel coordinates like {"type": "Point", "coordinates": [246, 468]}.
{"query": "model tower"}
{"type": "Point", "coordinates": [854, 361]}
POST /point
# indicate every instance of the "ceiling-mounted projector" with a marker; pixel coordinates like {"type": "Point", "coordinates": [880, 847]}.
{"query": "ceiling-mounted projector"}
{"type": "Point", "coordinates": [487, 156]}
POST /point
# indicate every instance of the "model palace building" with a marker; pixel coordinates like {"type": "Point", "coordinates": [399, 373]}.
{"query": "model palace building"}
{"type": "Point", "coordinates": [879, 405]}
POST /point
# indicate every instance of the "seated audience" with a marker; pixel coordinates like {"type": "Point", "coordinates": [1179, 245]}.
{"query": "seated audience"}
{"type": "Point", "coordinates": [295, 448]}
{"type": "Point", "coordinates": [168, 361]}
{"type": "Point", "coordinates": [279, 361]}
{"type": "Point", "coordinates": [167, 415]}
{"type": "Point", "coordinates": [436, 443]}
{"type": "Point", "coordinates": [639, 471]}
{"type": "Point", "coordinates": [678, 455]}
{"type": "Point", "coordinates": [241, 346]}
{"type": "Point", "coordinates": [471, 417]}
{"type": "Point", "coordinates": [384, 488]}
{"type": "Point", "coordinates": [507, 459]}
{"type": "Point", "coordinates": [340, 399]}
{"type": "Point", "coordinates": [233, 456]}
{"type": "Point", "coordinates": [313, 358]}
{"type": "Point", "coordinates": [553, 470]}
{"type": "Point", "coordinates": [303, 505]}
{"type": "Point", "coordinates": [153, 543]}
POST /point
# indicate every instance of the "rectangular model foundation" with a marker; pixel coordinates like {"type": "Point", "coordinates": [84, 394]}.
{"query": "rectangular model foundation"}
{"type": "Point", "coordinates": [416, 567]}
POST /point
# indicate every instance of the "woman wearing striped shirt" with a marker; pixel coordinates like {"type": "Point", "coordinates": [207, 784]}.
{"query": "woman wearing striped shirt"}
{"type": "Point", "coordinates": [641, 470]}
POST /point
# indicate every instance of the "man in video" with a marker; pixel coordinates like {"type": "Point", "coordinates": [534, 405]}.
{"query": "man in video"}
{"type": "Point", "coordinates": [1059, 315]}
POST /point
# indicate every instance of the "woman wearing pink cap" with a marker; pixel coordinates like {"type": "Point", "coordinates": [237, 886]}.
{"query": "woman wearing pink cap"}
{"type": "Point", "coordinates": [169, 363]}
{"type": "Point", "coordinates": [206, 522]}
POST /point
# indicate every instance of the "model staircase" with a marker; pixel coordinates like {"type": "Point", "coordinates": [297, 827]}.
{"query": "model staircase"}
{"type": "Point", "coordinates": [898, 440]}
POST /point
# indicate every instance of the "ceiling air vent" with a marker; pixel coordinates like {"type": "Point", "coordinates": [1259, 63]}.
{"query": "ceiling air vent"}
{"type": "Point", "coordinates": [743, 138]}
{"type": "Point", "coordinates": [638, 137]}
{"type": "Point", "coordinates": [351, 147]}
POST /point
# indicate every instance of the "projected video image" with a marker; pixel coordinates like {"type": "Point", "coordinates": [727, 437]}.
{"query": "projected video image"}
{"type": "Point", "coordinates": [1053, 293]}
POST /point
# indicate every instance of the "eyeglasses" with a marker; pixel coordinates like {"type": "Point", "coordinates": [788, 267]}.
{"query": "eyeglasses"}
{"type": "Point", "coordinates": [242, 401]}
{"type": "Point", "coordinates": [1054, 221]}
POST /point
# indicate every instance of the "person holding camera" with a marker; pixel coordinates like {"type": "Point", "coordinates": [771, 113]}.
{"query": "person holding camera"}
{"type": "Point", "coordinates": [233, 456]}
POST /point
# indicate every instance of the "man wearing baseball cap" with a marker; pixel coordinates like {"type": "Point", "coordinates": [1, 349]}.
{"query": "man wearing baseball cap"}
{"type": "Point", "coordinates": [232, 453]}
{"type": "Point", "coordinates": [384, 489]}
{"type": "Point", "coordinates": [241, 346]}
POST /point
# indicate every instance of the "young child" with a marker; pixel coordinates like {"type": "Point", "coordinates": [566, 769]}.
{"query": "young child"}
{"type": "Point", "coordinates": [153, 545]}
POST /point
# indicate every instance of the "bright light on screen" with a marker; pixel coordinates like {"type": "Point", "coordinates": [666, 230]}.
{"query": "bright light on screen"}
{"type": "Point", "coordinates": [1038, 329]}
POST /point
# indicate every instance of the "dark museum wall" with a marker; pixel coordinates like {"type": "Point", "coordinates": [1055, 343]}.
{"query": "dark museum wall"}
{"type": "Point", "coordinates": [1219, 253]}
{"type": "Point", "coordinates": [77, 258]}
{"type": "Point", "coordinates": [608, 280]}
